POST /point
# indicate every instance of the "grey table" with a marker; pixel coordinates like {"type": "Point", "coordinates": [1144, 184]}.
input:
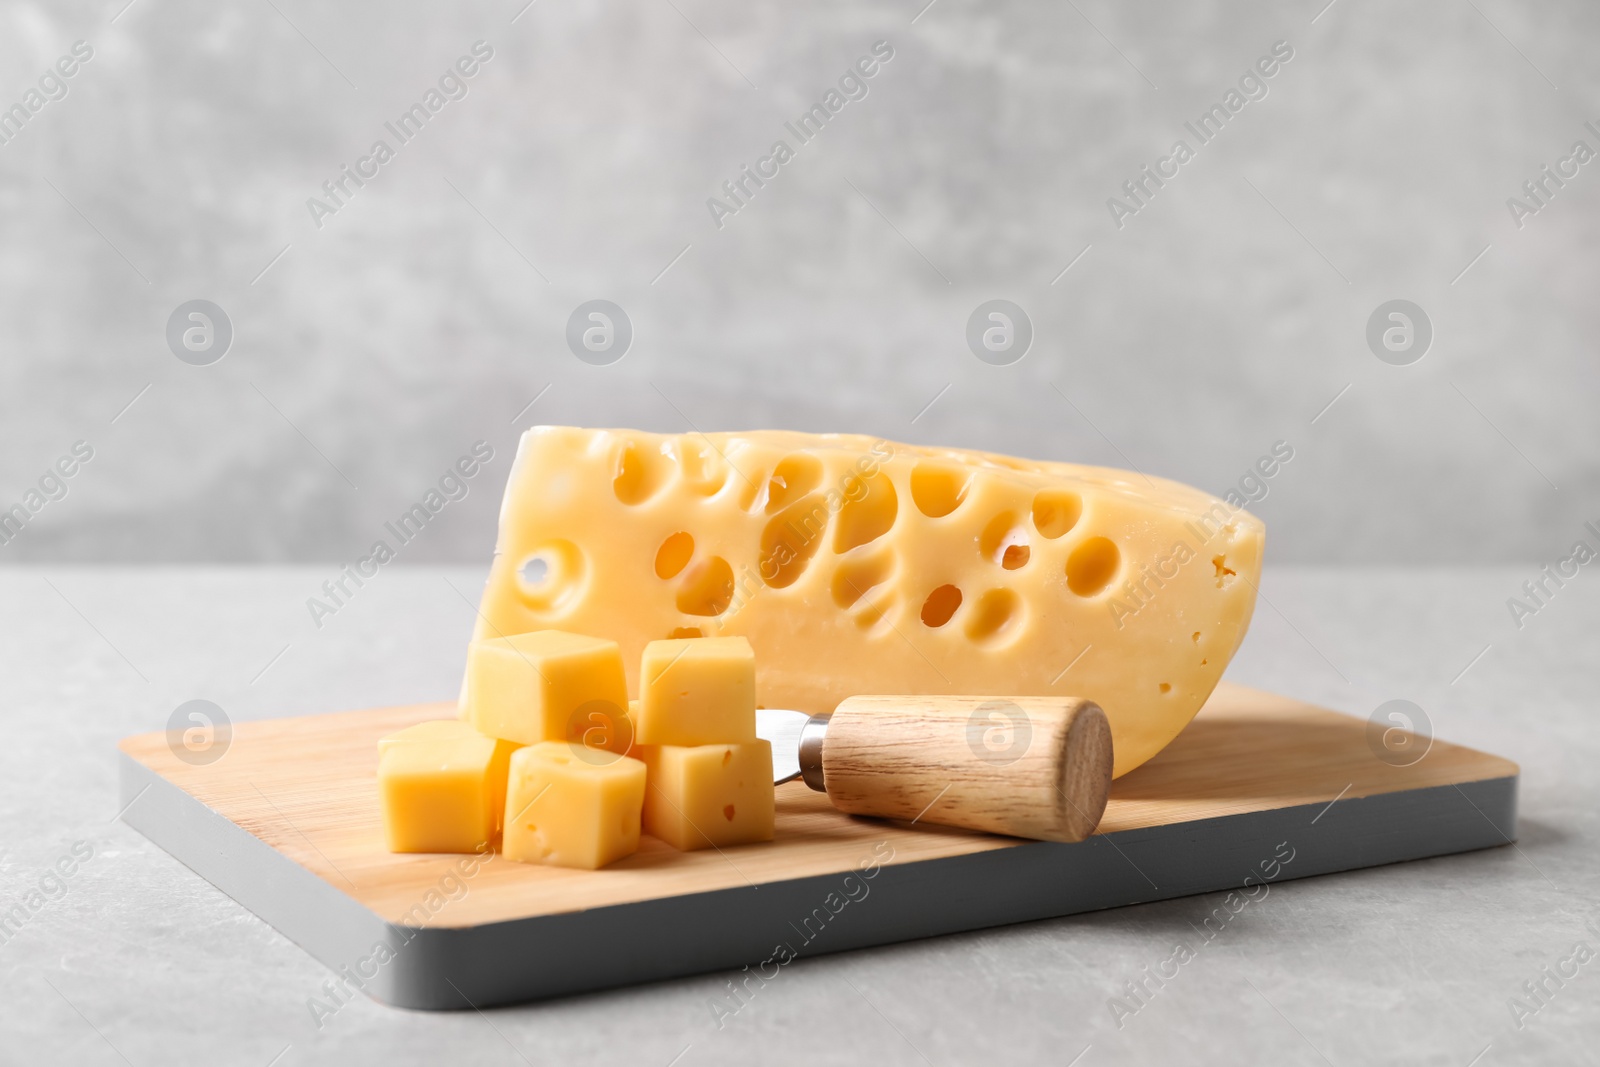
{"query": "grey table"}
{"type": "Point", "coordinates": [131, 957]}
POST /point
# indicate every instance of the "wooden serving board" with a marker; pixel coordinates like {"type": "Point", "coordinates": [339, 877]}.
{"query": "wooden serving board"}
{"type": "Point", "coordinates": [287, 823]}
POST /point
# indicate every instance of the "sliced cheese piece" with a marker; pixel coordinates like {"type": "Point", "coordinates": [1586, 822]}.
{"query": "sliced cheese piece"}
{"type": "Point", "coordinates": [697, 691]}
{"type": "Point", "coordinates": [700, 796]}
{"type": "Point", "coordinates": [856, 566]}
{"type": "Point", "coordinates": [442, 787]}
{"type": "Point", "coordinates": [571, 806]}
{"type": "Point", "coordinates": [545, 686]}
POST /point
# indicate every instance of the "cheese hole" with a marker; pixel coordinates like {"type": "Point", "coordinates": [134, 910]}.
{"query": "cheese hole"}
{"type": "Point", "coordinates": [1092, 566]}
{"type": "Point", "coordinates": [873, 616]}
{"type": "Point", "coordinates": [1055, 511]}
{"type": "Point", "coordinates": [640, 473]}
{"type": "Point", "coordinates": [727, 757]}
{"type": "Point", "coordinates": [794, 477]}
{"type": "Point", "coordinates": [1004, 541]}
{"type": "Point", "coordinates": [1224, 572]}
{"type": "Point", "coordinates": [681, 632]}
{"type": "Point", "coordinates": [995, 614]}
{"type": "Point", "coordinates": [707, 588]}
{"type": "Point", "coordinates": [727, 812]}
{"type": "Point", "coordinates": [1166, 687]}
{"type": "Point", "coordinates": [791, 538]}
{"type": "Point", "coordinates": [673, 555]}
{"type": "Point", "coordinates": [940, 605]}
{"type": "Point", "coordinates": [869, 510]}
{"type": "Point", "coordinates": [550, 575]}
{"type": "Point", "coordinates": [1195, 637]}
{"type": "Point", "coordinates": [855, 577]}
{"type": "Point", "coordinates": [938, 489]}
{"type": "Point", "coordinates": [704, 471]}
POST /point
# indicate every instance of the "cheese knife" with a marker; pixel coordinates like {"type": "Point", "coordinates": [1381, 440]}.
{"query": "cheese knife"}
{"type": "Point", "coordinates": [1036, 767]}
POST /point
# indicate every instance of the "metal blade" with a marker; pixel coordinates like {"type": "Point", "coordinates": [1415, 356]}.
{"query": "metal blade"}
{"type": "Point", "coordinates": [782, 728]}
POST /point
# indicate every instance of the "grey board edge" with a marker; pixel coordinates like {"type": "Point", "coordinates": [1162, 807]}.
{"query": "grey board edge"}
{"type": "Point", "coordinates": [447, 968]}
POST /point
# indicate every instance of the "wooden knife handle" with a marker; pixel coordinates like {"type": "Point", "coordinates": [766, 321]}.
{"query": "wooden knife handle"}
{"type": "Point", "coordinates": [1036, 767]}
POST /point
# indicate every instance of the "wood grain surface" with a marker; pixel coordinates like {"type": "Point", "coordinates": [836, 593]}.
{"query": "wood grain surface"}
{"type": "Point", "coordinates": [1036, 767]}
{"type": "Point", "coordinates": [307, 787]}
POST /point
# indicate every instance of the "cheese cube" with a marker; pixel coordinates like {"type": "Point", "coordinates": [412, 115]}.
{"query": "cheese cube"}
{"type": "Point", "coordinates": [705, 795]}
{"type": "Point", "coordinates": [543, 686]}
{"type": "Point", "coordinates": [442, 787]}
{"type": "Point", "coordinates": [567, 809]}
{"type": "Point", "coordinates": [697, 691]}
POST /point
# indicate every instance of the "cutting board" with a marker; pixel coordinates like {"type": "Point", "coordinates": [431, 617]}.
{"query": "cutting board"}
{"type": "Point", "coordinates": [1258, 789]}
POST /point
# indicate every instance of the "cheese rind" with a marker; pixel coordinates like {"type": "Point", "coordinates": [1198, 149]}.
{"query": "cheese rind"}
{"type": "Point", "coordinates": [547, 685]}
{"type": "Point", "coordinates": [702, 796]}
{"type": "Point", "coordinates": [856, 566]}
{"type": "Point", "coordinates": [567, 807]}
{"type": "Point", "coordinates": [441, 787]}
{"type": "Point", "coordinates": [697, 691]}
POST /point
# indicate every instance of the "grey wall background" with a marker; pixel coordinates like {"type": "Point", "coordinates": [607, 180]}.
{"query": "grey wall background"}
{"type": "Point", "coordinates": [431, 309]}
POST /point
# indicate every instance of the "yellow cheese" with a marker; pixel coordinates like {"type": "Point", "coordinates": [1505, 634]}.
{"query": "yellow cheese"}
{"type": "Point", "coordinates": [570, 806]}
{"type": "Point", "coordinates": [602, 726]}
{"type": "Point", "coordinates": [856, 566]}
{"type": "Point", "coordinates": [705, 795]}
{"type": "Point", "coordinates": [544, 686]}
{"type": "Point", "coordinates": [442, 787]}
{"type": "Point", "coordinates": [697, 691]}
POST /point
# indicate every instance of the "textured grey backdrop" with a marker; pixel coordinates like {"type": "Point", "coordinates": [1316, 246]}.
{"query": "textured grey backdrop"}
{"type": "Point", "coordinates": [426, 313]}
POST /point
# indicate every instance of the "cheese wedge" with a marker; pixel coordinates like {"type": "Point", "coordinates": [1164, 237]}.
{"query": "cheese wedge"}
{"type": "Point", "coordinates": [857, 566]}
